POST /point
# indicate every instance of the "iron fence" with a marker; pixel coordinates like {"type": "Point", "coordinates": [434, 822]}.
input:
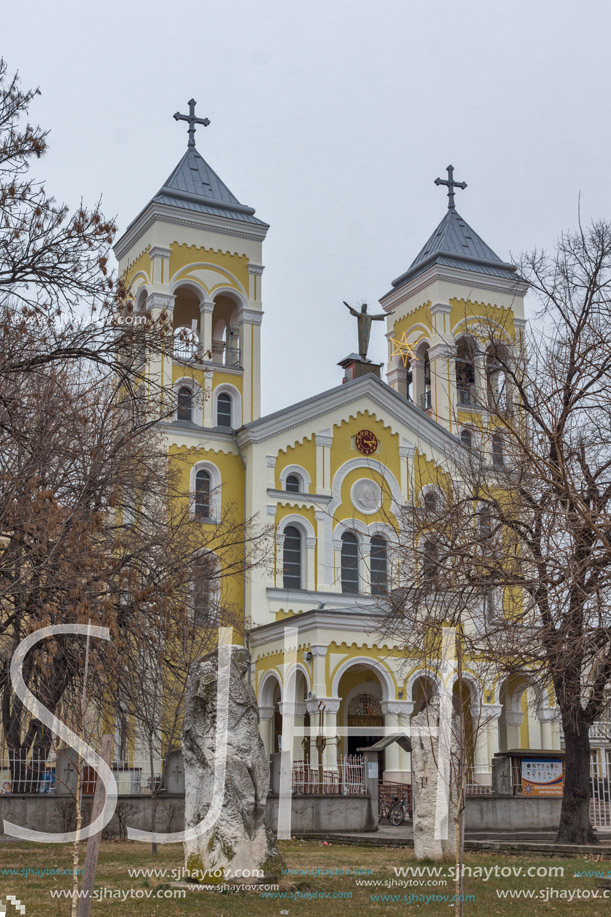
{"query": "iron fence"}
{"type": "Point", "coordinates": [479, 779]}
{"type": "Point", "coordinates": [346, 779]}
{"type": "Point", "coordinates": [48, 775]}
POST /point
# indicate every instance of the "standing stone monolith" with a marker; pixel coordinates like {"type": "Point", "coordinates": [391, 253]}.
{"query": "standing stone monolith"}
{"type": "Point", "coordinates": [240, 839]}
{"type": "Point", "coordinates": [428, 769]}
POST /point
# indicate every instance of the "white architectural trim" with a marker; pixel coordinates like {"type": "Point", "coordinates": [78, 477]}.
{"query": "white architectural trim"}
{"type": "Point", "coordinates": [236, 403]}
{"type": "Point", "coordinates": [197, 398]}
{"type": "Point", "coordinates": [416, 676]}
{"type": "Point", "coordinates": [385, 676]}
{"type": "Point", "coordinates": [266, 689]}
{"type": "Point", "coordinates": [301, 472]}
{"type": "Point", "coordinates": [290, 682]}
{"type": "Point", "coordinates": [215, 490]}
{"type": "Point", "coordinates": [308, 543]}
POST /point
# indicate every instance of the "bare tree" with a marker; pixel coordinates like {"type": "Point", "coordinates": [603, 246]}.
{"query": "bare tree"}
{"type": "Point", "coordinates": [527, 518]}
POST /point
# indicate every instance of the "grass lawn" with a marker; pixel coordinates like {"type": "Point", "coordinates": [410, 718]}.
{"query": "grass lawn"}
{"type": "Point", "coordinates": [357, 864]}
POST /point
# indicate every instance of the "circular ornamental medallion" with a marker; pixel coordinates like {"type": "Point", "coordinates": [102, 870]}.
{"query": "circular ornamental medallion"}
{"type": "Point", "coordinates": [366, 442]}
{"type": "Point", "coordinates": [366, 496]}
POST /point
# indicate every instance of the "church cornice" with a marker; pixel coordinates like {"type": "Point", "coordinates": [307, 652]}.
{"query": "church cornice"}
{"type": "Point", "coordinates": [315, 620]}
{"type": "Point", "coordinates": [460, 276]}
{"type": "Point", "coordinates": [178, 217]}
{"type": "Point", "coordinates": [406, 413]}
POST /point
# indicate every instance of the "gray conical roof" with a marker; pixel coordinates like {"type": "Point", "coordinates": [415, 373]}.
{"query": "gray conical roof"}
{"type": "Point", "coordinates": [455, 244]}
{"type": "Point", "coordinates": [195, 186]}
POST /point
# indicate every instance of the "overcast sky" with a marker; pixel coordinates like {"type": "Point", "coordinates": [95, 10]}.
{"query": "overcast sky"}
{"type": "Point", "coordinates": [332, 119]}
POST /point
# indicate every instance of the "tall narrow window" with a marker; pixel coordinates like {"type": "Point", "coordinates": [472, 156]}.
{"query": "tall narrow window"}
{"type": "Point", "coordinates": [293, 484]}
{"type": "Point", "coordinates": [202, 494]}
{"type": "Point", "coordinates": [466, 438]}
{"type": "Point", "coordinates": [426, 395]}
{"type": "Point", "coordinates": [292, 558]}
{"type": "Point", "coordinates": [465, 372]}
{"type": "Point", "coordinates": [184, 409]}
{"type": "Point", "coordinates": [223, 410]}
{"type": "Point", "coordinates": [408, 380]}
{"type": "Point", "coordinates": [378, 563]}
{"type": "Point", "coordinates": [498, 459]}
{"type": "Point", "coordinates": [350, 563]}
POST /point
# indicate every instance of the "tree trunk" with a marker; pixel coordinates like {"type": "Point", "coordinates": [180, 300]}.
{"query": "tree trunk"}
{"type": "Point", "coordinates": [575, 825]}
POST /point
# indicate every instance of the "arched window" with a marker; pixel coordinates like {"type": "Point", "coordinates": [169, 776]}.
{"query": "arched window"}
{"type": "Point", "coordinates": [292, 558]}
{"type": "Point", "coordinates": [426, 394]}
{"type": "Point", "coordinates": [465, 372]}
{"type": "Point", "coordinates": [407, 380]}
{"type": "Point", "coordinates": [202, 494]}
{"type": "Point", "coordinates": [293, 484]}
{"type": "Point", "coordinates": [350, 563]}
{"type": "Point", "coordinates": [498, 459]}
{"type": "Point", "coordinates": [184, 409]}
{"type": "Point", "coordinates": [223, 410]}
{"type": "Point", "coordinates": [378, 563]}
{"type": "Point", "coordinates": [466, 438]}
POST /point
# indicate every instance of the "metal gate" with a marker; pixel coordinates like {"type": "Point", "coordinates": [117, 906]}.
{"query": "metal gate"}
{"type": "Point", "coordinates": [600, 804]}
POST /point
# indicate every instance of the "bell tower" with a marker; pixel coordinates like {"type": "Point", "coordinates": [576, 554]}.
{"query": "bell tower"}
{"type": "Point", "coordinates": [443, 309]}
{"type": "Point", "coordinates": [195, 251]}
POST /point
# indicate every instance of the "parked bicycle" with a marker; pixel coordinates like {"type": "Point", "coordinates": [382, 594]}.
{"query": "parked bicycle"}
{"type": "Point", "coordinates": [396, 810]}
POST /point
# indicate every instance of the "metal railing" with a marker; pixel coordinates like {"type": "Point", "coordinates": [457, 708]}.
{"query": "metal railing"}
{"type": "Point", "coordinates": [479, 779]}
{"type": "Point", "coordinates": [426, 401]}
{"type": "Point", "coordinates": [185, 351]}
{"type": "Point", "coordinates": [600, 788]}
{"type": "Point", "coordinates": [346, 779]}
{"type": "Point", "coordinates": [45, 776]}
{"type": "Point", "coordinates": [466, 395]}
{"type": "Point", "coordinates": [225, 356]}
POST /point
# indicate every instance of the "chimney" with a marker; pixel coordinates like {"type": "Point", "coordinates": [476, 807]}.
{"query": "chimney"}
{"type": "Point", "coordinates": [354, 367]}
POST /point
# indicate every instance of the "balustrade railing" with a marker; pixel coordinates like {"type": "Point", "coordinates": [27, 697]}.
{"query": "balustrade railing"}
{"type": "Point", "coordinates": [344, 780]}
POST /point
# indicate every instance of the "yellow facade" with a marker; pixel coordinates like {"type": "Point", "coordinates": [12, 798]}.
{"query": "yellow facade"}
{"type": "Point", "coordinates": [303, 474]}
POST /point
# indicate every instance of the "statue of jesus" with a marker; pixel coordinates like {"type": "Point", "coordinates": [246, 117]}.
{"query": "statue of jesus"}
{"type": "Point", "coordinates": [364, 325]}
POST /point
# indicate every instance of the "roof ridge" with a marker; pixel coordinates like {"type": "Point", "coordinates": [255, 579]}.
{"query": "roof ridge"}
{"type": "Point", "coordinates": [455, 240]}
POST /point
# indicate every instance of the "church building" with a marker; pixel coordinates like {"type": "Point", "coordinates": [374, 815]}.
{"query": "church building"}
{"type": "Point", "coordinates": [330, 474]}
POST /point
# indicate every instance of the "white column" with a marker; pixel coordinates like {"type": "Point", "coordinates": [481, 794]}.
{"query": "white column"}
{"type": "Point", "coordinates": [207, 394]}
{"type": "Point", "coordinates": [160, 268]}
{"type": "Point", "coordinates": [406, 458]}
{"type": "Point", "coordinates": [270, 462]}
{"type": "Point", "coordinates": [310, 547]}
{"type": "Point", "coordinates": [299, 720]}
{"type": "Point", "coordinates": [266, 720]}
{"type": "Point", "coordinates": [323, 462]}
{"type": "Point", "coordinates": [160, 363]}
{"type": "Point", "coordinates": [490, 718]}
{"type": "Point", "coordinates": [325, 575]}
{"type": "Point", "coordinates": [206, 308]}
{"type": "Point", "coordinates": [513, 721]}
{"type": "Point", "coordinates": [250, 358]}
{"type": "Point", "coordinates": [546, 716]}
{"type": "Point", "coordinates": [319, 680]}
{"type": "Point", "coordinates": [396, 720]}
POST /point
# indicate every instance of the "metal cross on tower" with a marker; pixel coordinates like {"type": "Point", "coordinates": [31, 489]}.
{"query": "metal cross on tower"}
{"type": "Point", "coordinates": [192, 121]}
{"type": "Point", "coordinates": [451, 184]}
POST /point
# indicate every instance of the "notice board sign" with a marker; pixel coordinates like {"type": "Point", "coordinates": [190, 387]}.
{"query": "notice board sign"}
{"type": "Point", "coordinates": [542, 777]}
